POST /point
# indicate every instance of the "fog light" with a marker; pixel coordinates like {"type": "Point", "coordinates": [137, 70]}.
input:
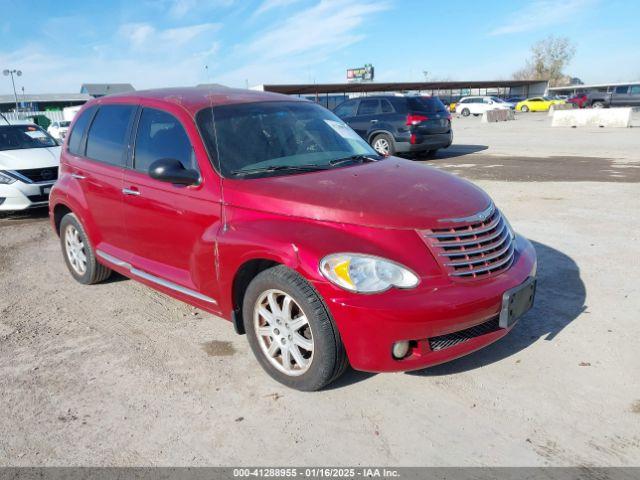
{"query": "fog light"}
{"type": "Point", "coordinates": [400, 349]}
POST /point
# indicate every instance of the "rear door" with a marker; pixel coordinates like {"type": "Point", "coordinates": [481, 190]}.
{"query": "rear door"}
{"type": "Point", "coordinates": [621, 96]}
{"type": "Point", "coordinates": [171, 229]}
{"type": "Point", "coordinates": [634, 95]}
{"type": "Point", "coordinates": [96, 161]}
{"type": "Point", "coordinates": [367, 114]}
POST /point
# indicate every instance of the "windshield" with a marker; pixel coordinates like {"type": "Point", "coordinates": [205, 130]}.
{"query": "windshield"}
{"type": "Point", "coordinates": [250, 138]}
{"type": "Point", "coordinates": [21, 137]}
{"type": "Point", "coordinates": [65, 124]}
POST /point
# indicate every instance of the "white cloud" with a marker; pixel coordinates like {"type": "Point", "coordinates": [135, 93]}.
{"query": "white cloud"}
{"type": "Point", "coordinates": [540, 14]}
{"type": "Point", "coordinates": [271, 4]}
{"type": "Point", "coordinates": [145, 36]}
{"type": "Point", "coordinates": [289, 50]}
{"type": "Point", "coordinates": [181, 8]}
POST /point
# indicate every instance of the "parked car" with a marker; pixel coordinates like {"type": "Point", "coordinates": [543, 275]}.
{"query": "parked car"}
{"type": "Point", "coordinates": [399, 124]}
{"type": "Point", "coordinates": [579, 100]}
{"type": "Point", "coordinates": [514, 100]}
{"type": "Point", "coordinates": [478, 105]}
{"type": "Point", "coordinates": [537, 104]}
{"type": "Point", "coordinates": [59, 129]}
{"type": "Point", "coordinates": [271, 212]}
{"type": "Point", "coordinates": [29, 159]}
{"type": "Point", "coordinates": [617, 96]}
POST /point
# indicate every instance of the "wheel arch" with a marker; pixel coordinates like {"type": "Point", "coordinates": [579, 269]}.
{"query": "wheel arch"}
{"type": "Point", "coordinates": [241, 280]}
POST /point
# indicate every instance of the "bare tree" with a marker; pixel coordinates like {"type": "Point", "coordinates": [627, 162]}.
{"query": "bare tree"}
{"type": "Point", "coordinates": [549, 58]}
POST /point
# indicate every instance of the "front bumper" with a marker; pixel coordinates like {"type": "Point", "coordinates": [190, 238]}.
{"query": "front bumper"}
{"type": "Point", "coordinates": [369, 325]}
{"type": "Point", "coordinates": [20, 195]}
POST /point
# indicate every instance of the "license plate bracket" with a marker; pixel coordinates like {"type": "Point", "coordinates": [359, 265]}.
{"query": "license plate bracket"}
{"type": "Point", "coordinates": [516, 302]}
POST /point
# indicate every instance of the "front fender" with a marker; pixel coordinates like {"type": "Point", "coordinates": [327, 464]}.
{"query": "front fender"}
{"type": "Point", "coordinates": [300, 244]}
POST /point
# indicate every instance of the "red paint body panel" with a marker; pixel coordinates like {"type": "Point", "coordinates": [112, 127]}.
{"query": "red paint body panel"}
{"type": "Point", "coordinates": [198, 237]}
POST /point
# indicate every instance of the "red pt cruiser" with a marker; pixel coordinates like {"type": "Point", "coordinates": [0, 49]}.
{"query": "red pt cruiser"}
{"type": "Point", "coordinates": [271, 212]}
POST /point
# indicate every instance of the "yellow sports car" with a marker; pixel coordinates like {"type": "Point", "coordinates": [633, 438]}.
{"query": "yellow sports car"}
{"type": "Point", "coordinates": [537, 104]}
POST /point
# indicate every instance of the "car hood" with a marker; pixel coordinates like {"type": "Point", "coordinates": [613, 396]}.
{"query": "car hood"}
{"type": "Point", "coordinates": [29, 158]}
{"type": "Point", "coordinates": [392, 193]}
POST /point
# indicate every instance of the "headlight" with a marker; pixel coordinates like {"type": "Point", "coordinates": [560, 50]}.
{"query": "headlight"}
{"type": "Point", "coordinates": [6, 179]}
{"type": "Point", "coordinates": [366, 273]}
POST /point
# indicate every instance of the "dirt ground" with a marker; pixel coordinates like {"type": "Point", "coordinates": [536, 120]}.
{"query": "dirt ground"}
{"type": "Point", "coordinates": [117, 374]}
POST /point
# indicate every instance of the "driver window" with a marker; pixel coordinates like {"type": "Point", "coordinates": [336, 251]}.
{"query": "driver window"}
{"type": "Point", "coordinates": [160, 135]}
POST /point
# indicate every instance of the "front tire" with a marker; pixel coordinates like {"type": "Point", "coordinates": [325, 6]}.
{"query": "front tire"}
{"type": "Point", "coordinates": [465, 112]}
{"type": "Point", "coordinates": [598, 105]}
{"type": "Point", "coordinates": [78, 252]}
{"type": "Point", "coordinates": [524, 109]}
{"type": "Point", "coordinates": [291, 332]}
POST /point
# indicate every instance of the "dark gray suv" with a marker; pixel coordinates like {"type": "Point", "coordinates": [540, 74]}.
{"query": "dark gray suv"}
{"type": "Point", "coordinates": [399, 124]}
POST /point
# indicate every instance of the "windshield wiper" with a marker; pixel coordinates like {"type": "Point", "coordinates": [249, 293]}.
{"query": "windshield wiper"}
{"type": "Point", "coordinates": [353, 158]}
{"type": "Point", "coordinates": [277, 168]}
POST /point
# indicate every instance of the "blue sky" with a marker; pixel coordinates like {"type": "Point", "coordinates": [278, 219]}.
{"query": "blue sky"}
{"type": "Point", "coordinates": [153, 43]}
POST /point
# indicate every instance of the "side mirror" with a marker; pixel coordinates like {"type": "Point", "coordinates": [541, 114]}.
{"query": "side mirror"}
{"type": "Point", "coordinates": [172, 171]}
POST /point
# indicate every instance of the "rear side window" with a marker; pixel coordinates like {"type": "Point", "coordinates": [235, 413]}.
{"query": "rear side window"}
{"type": "Point", "coordinates": [368, 107]}
{"type": "Point", "coordinates": [108, 134]}
{"type": "Point", "coordinates": [347, 109]}
{"type": "Point", "coordinates": [386, 106]}
{"type": "Point", "coordinates": [77, 134]}
{"type": "Point", "coordinates": [635, 90]}
{"type": "Point", "coordinates": [161, 135]}
{"type": "Point", "coordinates": [427, 104]}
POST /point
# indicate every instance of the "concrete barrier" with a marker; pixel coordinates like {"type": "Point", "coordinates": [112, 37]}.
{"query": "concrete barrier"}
{"type": "Point", "coordinates": [498, 115]}
{"type": "Point", "coordinates": [593, 117]}
{"type": "Point", "coordinates": [561, 106]}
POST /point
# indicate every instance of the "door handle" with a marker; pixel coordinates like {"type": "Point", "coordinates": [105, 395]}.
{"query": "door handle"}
{"type": "Point", "coordinates": [128, 191]}
{"type": "Point", "coordinates": [78, 176]}
{"type": "Point", "coordinates": [374, 121]}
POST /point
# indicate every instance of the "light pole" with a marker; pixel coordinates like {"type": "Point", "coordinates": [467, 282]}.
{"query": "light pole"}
{"type": "Point", "coordinates": [18, 73]}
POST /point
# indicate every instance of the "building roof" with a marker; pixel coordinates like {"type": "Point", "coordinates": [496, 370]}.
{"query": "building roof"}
{"type": "Point", "coordinates": [46, 97]}
{"type": "Point", "coordinates": [194, 99]}
{"type": "Point", "coordinates": [301, 89]}
{"type": "Point", "coordinates": [593, 85]}
{"type": "Point", "coordinates": [102, 89]}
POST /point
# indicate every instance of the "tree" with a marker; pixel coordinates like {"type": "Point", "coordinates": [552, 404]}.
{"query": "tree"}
{"type": "Point", "coordinates": [549, 58]}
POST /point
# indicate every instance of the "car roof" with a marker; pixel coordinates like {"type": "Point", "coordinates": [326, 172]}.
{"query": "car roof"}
{"type": "Point", "coordinates": [194, 99]}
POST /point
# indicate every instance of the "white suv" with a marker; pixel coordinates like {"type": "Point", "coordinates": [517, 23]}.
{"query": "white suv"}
{"type": "Point", "coordinates": [478, 105]}
{"type": "Point", "coordinates": [29, 160]}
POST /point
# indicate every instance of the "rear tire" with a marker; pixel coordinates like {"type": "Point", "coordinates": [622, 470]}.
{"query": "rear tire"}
{"type": "Point", "coordinates": [465, 112]}
{"type": "Point", "coordinates": [291, 332]}
{"type": "Point", "coordinates": [79, 254]}
{"type": "Point", "coordinates": [383, 144]}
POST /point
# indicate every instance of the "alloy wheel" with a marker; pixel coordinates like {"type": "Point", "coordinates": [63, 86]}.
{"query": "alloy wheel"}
{"type": "Point", "coordinates": [75, 250]}
{"type": "Point", "coordinates": [283, 332]}
{"type": "Point", "coordinates": [381, 145]}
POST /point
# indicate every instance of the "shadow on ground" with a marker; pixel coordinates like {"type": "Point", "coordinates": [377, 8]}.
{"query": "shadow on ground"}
{"type": "Point", "coordinates": [459, 150]}
{"type": "Point", "coordinates": [560, 298]}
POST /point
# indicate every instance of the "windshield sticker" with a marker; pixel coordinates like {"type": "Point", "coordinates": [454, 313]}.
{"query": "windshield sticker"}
{"type": "Point", "coordinates": [36, 134]}
{"type": "Point", "coordinates": [343, 130]}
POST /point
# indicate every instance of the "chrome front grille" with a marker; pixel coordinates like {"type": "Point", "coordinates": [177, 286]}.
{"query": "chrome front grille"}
{"type": "Point", "coordinates": [474, 247]}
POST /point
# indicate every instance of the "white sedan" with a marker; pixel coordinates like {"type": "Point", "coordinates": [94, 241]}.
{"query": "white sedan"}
{"type": "Point", "coordinates": [59, 129]}
{"type": "Point", "coordinates": [29, 160]}
{"type": "Point", "coordinates": [478, 105]}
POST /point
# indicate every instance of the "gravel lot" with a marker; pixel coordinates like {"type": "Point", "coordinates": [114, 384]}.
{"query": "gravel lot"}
{"type": "Point", "coordinates": [117, 374]}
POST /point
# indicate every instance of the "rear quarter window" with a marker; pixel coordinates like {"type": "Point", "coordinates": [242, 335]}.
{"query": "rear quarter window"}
{"type": "Point", "coordinates": [75, 145]}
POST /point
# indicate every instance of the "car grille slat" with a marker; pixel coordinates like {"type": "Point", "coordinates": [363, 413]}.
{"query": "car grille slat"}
{"type": "Point", "coordinates": [37, 175]}
{"type": "Point", "coordinates": [450, 339]}
{"type": "Point", "coordinates": [474, 249]}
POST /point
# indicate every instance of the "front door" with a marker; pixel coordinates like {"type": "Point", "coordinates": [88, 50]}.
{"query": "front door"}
{"type": "Point", "coordinates": [171, 228]}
